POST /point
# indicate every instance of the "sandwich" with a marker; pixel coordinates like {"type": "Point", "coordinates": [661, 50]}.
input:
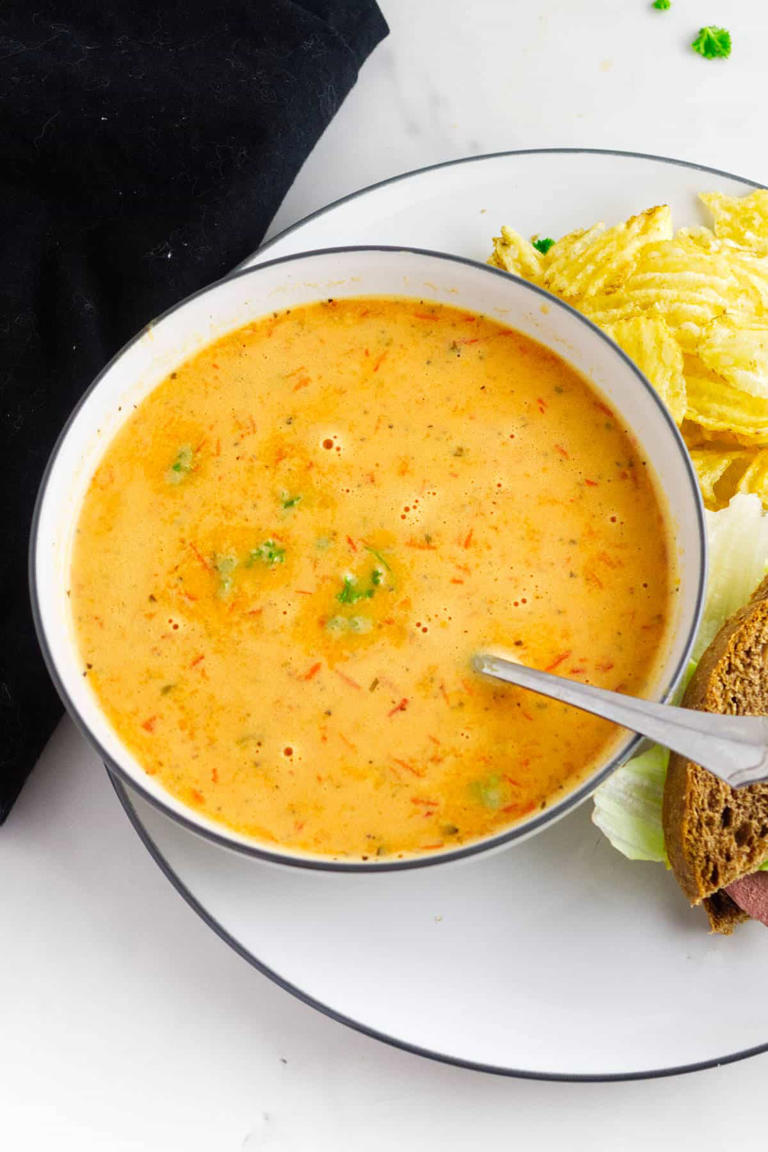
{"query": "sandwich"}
{"type": "Point", "coordinates": [716, 837]}
{"type": "Point", "coordinates": [660, 806]}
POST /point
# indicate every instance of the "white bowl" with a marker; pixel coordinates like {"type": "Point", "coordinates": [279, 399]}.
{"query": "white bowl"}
{"type": "Point", "coordinates": [295, 280]}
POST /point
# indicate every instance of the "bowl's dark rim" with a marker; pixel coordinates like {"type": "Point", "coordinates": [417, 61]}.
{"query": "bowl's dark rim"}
{"type": "Point", "coordinates": [187, 895]}
{"type": "Point", "coordinates": [518, 831]}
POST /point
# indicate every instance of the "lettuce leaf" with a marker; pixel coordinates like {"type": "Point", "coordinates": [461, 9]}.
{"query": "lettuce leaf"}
{"type": "Point", "coordinates": [738, 560]}
{"type": "Point", "coordinates": [628, 804]}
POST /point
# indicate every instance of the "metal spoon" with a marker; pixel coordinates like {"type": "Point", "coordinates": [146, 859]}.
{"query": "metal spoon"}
{"type": "Point", "coordinates": [735, 748]}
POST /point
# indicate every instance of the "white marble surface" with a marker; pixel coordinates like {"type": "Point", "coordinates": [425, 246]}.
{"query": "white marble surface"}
{"type": "Point", "coordinates": [124, 1023]}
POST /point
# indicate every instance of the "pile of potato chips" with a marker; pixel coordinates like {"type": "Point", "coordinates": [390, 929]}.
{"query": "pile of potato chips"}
{"type": "Point", "coordinates": [691, 309]}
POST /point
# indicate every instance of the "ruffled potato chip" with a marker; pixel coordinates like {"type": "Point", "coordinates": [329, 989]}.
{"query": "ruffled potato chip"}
{"type": "Point", "coordinates": [697, 437]}
{"type": "Point", "coordinates": [514, 253]}
{"type": "Point", "coordinates": [690, 287]}
{"type": "Point", "coordinates": [719, 471]}
{"type": "Point", "coordinates": [720, 407]}
{"type": "Point", "coordinates": [694, 436]}
{"type": "Point", "coordinates": [755, 478]}
{"type": "Point", "coordinates": [743, 219]}
{"type": "Point", "coordinates": [698, 239]}
{"type": "Point", "coordinates": [608, 308]}
{"type": "Point", "coordinates": [586, 263]}
{"type": "Point", "coordinates": [738, 353]}
{"type": "Point", "coordinates": [690, 284]}
{"type": "Point", "coordinates": [648, 341]}
{"type": "Point", "coordinates": [691, 309]}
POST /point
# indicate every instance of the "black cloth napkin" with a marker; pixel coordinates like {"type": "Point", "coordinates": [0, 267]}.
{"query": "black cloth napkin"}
{"type": "Point", "coordinates": [144, 149]}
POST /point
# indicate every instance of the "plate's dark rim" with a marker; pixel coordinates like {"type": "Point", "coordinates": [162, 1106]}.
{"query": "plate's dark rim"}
{"type": "Point", "coordinates": [357, 1025]}
{"type": "Point", "coordinates": [516, 832]}
{"type": "Point", "coordinates": [211, 921]}
{"type": "Point", "coordinates": [248, 262]}
{"type": "Point", "coordinates": [163, 864]}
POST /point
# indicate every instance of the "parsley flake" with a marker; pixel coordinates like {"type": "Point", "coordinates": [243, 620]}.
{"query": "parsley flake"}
{"type": "Point", "coordinates": [267, 553]}
{"type": "Point", "coordinates": [182, 465]}
{"type": "Point", "coordinates": [543, 244]}
{"type": "Point", "coordinates": [492, 792]}
{"type": "Point", "coordinates": [661, 5]}
{"type": "Point", "coordinates": [713, 43]}
{"type": "Point", "coordinates": [351, 593]}
{"type": "Point", "coordinates": [225, 566]}
{"type": "Point", "coordinates": [375, 552]}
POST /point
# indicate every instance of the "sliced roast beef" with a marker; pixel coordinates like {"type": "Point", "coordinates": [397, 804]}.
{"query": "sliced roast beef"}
{"type": "Point", "coordinates": [751, 895]}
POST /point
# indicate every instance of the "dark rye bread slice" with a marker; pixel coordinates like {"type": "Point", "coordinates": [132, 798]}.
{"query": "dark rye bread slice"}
{"type": "Point", "coordinates": [724, 913]}
{"type": "Point", "coordinates": [715, 834]}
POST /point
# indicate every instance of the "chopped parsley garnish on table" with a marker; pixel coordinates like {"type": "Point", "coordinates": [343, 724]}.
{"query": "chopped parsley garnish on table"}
{"type": "Point", "coordinates": [713, 43]}
{"type": "Point", "coordinates": [661, 5]}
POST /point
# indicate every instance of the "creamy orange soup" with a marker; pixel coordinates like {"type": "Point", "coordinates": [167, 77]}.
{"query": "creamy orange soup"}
{"type": "Point", "coordinates": [296, 543]}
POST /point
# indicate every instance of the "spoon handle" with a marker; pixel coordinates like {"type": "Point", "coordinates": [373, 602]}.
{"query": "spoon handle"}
{"type": "Point", "coordinates": [735, 748]}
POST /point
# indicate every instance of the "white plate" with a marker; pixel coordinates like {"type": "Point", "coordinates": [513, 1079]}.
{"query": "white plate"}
{"type": "Point", "coordinates": [557, 958]}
